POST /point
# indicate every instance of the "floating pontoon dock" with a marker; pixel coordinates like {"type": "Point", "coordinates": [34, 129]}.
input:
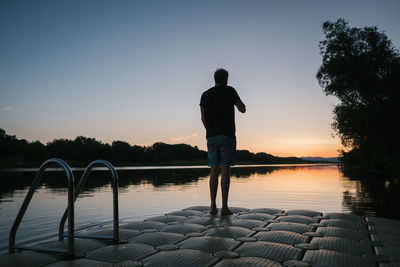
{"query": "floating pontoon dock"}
{"type": "Point", "coordinates": [257, 237]}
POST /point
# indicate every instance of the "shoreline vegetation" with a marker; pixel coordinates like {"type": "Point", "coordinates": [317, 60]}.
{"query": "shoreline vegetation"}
{"type": "Point", "coordinates": [82, 150]}
{"type": "Point", "coordinates": [361, 68]}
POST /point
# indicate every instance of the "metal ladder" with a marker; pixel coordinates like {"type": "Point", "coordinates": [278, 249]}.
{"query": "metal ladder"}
{"type": "Point", "coordinates": [115, 238]}
{"type": "Point", "coordinates": [21, 212]}
{"type": "Point", "coordinates": [69, 211]}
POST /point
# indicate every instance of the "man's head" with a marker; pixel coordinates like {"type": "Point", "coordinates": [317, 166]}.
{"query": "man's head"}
{"type": "Point", "coordinates": [221, 76]}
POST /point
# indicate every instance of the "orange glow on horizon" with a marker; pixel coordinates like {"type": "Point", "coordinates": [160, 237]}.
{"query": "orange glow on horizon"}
{"type": "Point", "coordinates": [301, 147]}
{"type": "Point", "coordinates": [315, 152]}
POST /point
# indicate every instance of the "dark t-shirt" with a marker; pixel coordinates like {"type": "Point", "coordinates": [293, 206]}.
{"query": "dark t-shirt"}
{"type": "Point", "coordinates": [218, 103]}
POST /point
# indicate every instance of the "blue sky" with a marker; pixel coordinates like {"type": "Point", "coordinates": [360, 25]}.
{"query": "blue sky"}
{"type": "Point", "coordinates": [135, 70]}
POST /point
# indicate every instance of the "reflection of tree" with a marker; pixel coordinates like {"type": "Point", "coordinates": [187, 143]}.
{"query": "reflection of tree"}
{"type": "Point", "coordinates": [245, 172]}
{"type": "Point", "coordinates": [376, 194]}
{"type": "Point", "coordinates": [57, 182]}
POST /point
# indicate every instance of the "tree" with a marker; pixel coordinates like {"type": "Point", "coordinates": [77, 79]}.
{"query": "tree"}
{"type": "Point", "coordinates": [361, 67]}
{"type": "Point", "coordinates": [124, 152]}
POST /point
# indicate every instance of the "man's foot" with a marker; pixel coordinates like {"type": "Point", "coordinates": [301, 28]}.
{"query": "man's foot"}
{"type": "Point", "coordinates": [226, 211]}
{"type": "Point", "coordinates": [213, 211]}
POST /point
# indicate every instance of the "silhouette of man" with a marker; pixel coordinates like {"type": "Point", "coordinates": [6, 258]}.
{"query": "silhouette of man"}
{"type": "Point", "coordinates": [217, 107]}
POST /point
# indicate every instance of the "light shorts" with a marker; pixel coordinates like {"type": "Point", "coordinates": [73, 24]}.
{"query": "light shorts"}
{"type": "Point", "coordinates": [221, 150]}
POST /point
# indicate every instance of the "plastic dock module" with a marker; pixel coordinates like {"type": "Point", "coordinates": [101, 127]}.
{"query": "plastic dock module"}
{"type": "Point", "coordinates": [249, 237]}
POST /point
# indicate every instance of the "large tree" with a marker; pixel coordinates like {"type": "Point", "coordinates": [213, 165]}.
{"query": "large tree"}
{"type": "Point", "coordinates": [361, 67]}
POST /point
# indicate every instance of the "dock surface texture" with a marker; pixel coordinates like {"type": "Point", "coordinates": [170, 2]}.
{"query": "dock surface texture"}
{"type": "Point", "coordinates": [256, 237]}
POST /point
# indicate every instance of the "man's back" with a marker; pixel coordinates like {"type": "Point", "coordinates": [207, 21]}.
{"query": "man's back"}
{"type": "Point", "coordinates": [218, 117]}
{"type": "Point", "coordinates": [218, 103]}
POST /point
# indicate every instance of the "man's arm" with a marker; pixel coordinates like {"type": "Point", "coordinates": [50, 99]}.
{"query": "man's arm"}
{"type": "Point", "coordinates": [203, 116]}
{"type": "Point", "coordinates": [240, 106]}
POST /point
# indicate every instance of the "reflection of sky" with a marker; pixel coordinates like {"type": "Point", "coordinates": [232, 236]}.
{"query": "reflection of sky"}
{"type": "Point", "coordinates": [135, 71]}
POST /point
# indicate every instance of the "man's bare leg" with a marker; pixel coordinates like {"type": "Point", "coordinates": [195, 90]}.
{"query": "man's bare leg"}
{"type": "Point", "coordinates": [214, 173]}
{"type": "Point", "coordinates": [225, 182]}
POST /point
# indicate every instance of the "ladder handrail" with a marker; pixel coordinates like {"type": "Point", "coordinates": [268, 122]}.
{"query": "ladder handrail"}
{"type": "Point", "coordinates": [70, 208]}
{"type": "Point", "coordinates": [80, 186]}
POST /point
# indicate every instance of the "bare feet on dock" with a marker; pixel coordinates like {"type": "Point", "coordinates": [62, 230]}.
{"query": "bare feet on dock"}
{"type": "Point", "coordinates": [226, 211]}
{"type": "Point", "coordinates": [213, 210]}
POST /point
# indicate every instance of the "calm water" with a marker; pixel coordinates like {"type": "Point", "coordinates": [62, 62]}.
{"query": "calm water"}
{"type": "Point", "coordinates": [144, 193]}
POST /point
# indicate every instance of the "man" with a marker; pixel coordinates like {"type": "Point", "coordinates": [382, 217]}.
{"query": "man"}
{"type": "Point", "coordinates": [218, 117]}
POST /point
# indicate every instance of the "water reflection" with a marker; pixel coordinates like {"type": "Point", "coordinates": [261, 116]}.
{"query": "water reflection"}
{"type": "Point", "coordinates": [316, 186]}
{"type": "Point", "coordinates": [375, 194]}
{"type": "Point", "coordinates": [147, 193]}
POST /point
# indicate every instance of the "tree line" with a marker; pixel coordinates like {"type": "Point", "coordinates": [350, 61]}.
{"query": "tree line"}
{"type": "Point", "coordinates": [82, 150]}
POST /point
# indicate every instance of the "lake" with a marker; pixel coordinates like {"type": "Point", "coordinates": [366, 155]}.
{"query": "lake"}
{"type": "Point", "coordinates": [145, 192]}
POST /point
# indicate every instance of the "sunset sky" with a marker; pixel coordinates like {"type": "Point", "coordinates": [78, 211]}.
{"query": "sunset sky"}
{"type": "Point", "coordinates": [135, 70]}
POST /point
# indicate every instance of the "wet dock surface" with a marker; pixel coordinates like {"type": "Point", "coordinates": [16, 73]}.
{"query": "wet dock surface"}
{"type": "Point", "coordinates": [257, 237]}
